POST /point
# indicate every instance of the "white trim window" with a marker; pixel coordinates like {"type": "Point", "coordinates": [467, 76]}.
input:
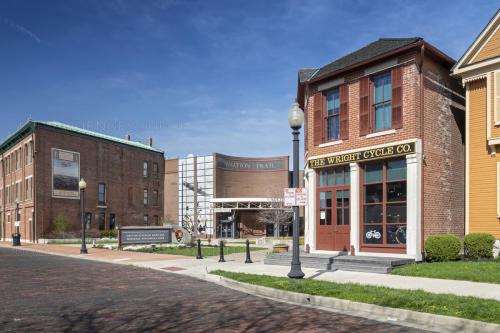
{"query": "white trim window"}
{"type": "Point", "coordinates": [496, 96]}
{"type": "Point", "coordinates": [498, 189]}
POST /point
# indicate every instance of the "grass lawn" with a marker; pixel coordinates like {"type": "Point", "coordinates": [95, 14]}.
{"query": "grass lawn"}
{"type": "Point", "coordinates": [477, 271]}
{"type": "Point", "coordinates": [416, 300]}
{"type": "Point", "coordinates": [206, 251]}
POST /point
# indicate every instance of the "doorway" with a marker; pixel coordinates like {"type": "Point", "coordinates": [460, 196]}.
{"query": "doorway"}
{"type": "Point", "coordinates": [333, 225]}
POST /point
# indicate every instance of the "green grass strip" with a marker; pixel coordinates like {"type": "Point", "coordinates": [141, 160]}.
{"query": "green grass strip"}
{"type": "Point", "coordinates": [206, 251]}
{"type": "Point", "coordinates": [477, 271]}
{"type": "Point", "coordinates": [416, 300]}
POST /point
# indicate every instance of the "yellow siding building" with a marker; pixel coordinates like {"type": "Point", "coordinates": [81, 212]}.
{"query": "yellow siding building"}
{"type": "Point", "coordinates": [479, 69]}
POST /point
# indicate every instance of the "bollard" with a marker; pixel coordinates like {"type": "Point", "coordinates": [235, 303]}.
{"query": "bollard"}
{"type": "Point", "coordinates": [248, 261]}
{"type": "Point", "coordinates": [199, 250]}
{"type": "Point", "coordinates": [221, 259]}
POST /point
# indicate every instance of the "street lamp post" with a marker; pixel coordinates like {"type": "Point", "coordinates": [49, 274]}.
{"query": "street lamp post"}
{"type": "Point", "coordinates": [16, 237]}
{"type": "Point", "coordinates": [296, 119]}
{"type": "Point", "coordinates": [82, 185]}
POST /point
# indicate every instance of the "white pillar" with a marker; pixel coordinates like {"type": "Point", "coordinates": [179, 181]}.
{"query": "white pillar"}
{"type": "Point", "coordinates": [414, 204]}
{"type": "Point", "coordinates": [354, 206]}
{"type": "Point", "coordinates": [310, 209]}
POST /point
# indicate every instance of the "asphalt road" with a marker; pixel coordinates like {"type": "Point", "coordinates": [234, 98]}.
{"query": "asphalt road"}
{"type": "Point", "coordinates": [45, 293]}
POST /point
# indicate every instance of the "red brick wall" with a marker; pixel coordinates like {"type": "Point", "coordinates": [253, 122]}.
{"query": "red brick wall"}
{"type": "Point", "coordinates": [117, 165]}
{"type": "Point", "coordinates": [444, 153]}
{"type": "Point", "coordinates": [25, 203]}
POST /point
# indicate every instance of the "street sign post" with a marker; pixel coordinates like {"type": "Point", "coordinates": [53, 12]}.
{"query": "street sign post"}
{"type": "Point", "coordinates": [295, 197]}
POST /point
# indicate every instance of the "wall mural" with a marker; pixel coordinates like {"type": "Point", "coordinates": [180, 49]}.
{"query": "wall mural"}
{"type": "Point", "coordinates": [65, 174]}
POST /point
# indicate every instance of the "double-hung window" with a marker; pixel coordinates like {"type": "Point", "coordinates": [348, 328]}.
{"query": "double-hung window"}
{"type": "Point", "coordinates": [382, 107]}
{"type": "Point", "coordinates": [333, 115]}
{"type": "Point", "coordinates": [102, 194]}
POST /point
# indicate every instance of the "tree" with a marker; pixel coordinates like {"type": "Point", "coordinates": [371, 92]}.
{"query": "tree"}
{"type": "Point", "coordinates": [275, 212]}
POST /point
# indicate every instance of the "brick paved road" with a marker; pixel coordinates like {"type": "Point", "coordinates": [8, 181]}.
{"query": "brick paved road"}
{"type": "Point", "coordinates": [48, 293]}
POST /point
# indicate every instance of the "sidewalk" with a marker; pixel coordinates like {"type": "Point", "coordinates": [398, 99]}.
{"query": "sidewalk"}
{"type": "Point", "coordinates": [235, 263]}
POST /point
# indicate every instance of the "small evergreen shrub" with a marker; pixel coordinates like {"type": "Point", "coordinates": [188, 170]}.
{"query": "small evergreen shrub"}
{"type": "Point", "coordinates": [109, 234]}
{"type": "Point", "coordinates": [442, 247]}
{"type": "Point", "coordinates": [479, 246]}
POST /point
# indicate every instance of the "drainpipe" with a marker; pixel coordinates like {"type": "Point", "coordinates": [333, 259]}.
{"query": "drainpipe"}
{"type": "Point", "coordinates": [422, 132]}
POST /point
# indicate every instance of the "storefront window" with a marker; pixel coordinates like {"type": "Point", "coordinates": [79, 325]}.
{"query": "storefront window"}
{"type": "Point", "coordinates": [334, 176]}
{"type": "Point", "coordinates": [385, 203]}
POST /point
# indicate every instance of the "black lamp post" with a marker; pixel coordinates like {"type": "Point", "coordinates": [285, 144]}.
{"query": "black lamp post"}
{"type": "Point", "coordinates": [16, 237]}
{"type": "Point", "coordinates": [82, 185]}
{"type": "Point", "coordinates": [296, 119]}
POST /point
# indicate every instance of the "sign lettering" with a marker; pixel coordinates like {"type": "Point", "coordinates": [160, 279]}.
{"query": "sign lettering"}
{"type": "Point", "coordinates": [365, 155]}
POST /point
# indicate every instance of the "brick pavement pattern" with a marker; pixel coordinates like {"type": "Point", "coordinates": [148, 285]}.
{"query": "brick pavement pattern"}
{"type": "Point", "coordinates": [47, 293]}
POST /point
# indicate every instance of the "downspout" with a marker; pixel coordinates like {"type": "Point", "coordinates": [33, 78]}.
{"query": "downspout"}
{"type": "Point", "coordinates": [422, 132]}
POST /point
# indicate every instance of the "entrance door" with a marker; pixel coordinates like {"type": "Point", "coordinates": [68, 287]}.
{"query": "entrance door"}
{"type": "Point", "coordinates": [333, 225]}
{"type": "Point", "coordinates": [324, 225]}
{"type": "Point", "coordinates": [342, 228]}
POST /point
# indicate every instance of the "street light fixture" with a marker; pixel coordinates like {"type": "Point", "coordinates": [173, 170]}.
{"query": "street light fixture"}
{"type": "Point", "coordinates": [296, 119]}
{"type": "Point", "coordinates": [82, 185]}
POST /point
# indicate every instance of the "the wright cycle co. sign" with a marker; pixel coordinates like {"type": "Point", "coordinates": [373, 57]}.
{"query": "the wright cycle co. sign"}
{"type": "Point", "coordinates": [363, 155]}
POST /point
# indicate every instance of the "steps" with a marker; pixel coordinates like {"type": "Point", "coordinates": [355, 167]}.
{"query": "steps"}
{"type": "Point", "coordinates": [323, 262]}
{"type": "Point", "coordinates": [382, 265]}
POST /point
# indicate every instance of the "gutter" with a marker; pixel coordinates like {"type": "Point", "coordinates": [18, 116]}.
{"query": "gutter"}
{"type": "Point", "coordinates": [422, 132]}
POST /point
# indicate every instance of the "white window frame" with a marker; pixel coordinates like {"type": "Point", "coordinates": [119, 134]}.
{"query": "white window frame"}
{"type": "Point", "coordinates": [496, 97]}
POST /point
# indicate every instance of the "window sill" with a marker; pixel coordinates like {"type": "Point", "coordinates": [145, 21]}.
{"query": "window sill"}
{"type": "Point", "coordinates": [496, 124]}
{"type": "Point", "coordinates": [331, 143]}
{"type": "Point", "coordinates": [376, 134]}
{"type": "Point", "coordinates": [102, 206]}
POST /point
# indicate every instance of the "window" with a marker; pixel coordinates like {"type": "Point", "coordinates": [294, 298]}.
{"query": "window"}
{"type": "Point", "coordinates": [26, 155]}
{"type": "Point", "coordinates": [102, 221]}
{"type": "Point", "coordinates": [130, 196]}
{"type": "Point", "coordinates": [384, 203]}
{"type": "Point", "coordinates": [145, 220]}
{"type": "Point", "coordinates": [88, 220]}
{"type": "Point", "coordinates": [333, 115]}
{"type": "Point", "coordinates": [496, 101]}
{"type": "Point", "coordinates": [112, 221]}
{"type": "Point", "coordinates": [336, 176]}
{"type": "Point", "coordinates": [156, 220]}
{"type": "Point", "coordinates": [155, 198]}
{"type": "Point", "coordinates": [102, 194]}
{"type": "Point", "coordinates": [145, 169]}
{"type": "Point", "coordinates": [145, 197]}
{"type": "Point", "coordinates": [382, 107]}
{"type": "Point", "coordinates": [156, 170]}
{"type": "Point", "coordinates": [31, 152]}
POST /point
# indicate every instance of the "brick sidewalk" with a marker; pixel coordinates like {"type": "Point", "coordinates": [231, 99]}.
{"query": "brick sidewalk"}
{"type": "Point", "coordinates": [95, 253]}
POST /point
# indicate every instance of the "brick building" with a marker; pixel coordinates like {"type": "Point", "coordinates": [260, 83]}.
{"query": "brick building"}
{"type": "Point", "coordinates": [42, 162]}
{"type": "Point", "coordinates": [228, 192]}
{"type": "Point", "coordinates": [384, 149]}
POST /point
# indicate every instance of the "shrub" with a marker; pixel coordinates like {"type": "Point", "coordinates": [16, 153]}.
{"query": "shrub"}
{"type": "Point", "coordinates": [109, 234]}
{"type": "Point", "coordinates": [442, 247]}
{"type": "Point", "coordinates": [479, 246]}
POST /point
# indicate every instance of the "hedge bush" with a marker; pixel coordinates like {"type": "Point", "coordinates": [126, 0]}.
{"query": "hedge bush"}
{"type": "Point", "coordinates": [109, 234]}
{"type": "Point", "coordinates": [442, 247]}
{"type": "Point", "coordinates": [479, 246]}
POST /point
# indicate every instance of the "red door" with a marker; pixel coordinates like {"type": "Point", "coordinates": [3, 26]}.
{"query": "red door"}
{"type": "Point", "coordinates": [342, 227]}
{"type": "Point", "coordinates": [333, 226]}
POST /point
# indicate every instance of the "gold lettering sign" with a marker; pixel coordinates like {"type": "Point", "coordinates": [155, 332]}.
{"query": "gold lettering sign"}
{"type": "Point", "coordinates": [365, 155]}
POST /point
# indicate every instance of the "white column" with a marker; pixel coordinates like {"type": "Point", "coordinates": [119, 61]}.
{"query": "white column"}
{"type": "Point", "coordinates": [413, 204]}
{"type": "Point", "coordinates": [310, 209]}
{"type": "Point", "coordinates": [354, 206]}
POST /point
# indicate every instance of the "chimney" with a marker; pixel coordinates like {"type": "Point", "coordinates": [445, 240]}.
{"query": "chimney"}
{"type": "Point", "coordinates": [150, 141]}
{"type": "Point", "coordinates": [127, 137]}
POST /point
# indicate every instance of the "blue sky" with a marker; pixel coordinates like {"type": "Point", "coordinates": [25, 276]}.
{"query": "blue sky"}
{"type": "Point", "coordinates": [198, 76]}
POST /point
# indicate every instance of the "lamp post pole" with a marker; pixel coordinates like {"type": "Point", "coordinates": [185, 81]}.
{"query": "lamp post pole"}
{"type": "Point", "coordinates": [82, 184]}
{"type": "Point", "coordinates": [296, 118]}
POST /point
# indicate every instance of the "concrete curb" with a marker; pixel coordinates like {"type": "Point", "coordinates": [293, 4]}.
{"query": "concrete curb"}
{"type": "Point", "coordinates": [403, 317]}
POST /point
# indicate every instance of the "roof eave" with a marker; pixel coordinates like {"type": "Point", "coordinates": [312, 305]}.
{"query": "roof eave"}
{"type": "Point", "coordinates": [374, 59]}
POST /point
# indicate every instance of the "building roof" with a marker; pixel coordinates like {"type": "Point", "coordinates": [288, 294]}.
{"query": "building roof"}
{"type": "Point", "coordinates": [31, 124]}
{"type": "Point", "coordinates": [475, 46]}
{"type": "Point", "coordinates": [377, 48]}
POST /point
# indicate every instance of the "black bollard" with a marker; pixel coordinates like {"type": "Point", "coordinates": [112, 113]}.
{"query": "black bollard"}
{"type": "Point", "coordinates": [248, 261]}
{"type": "Point", "coordinates": [221, 259]}
{"type": "Point", "coordinates": [199, 256]}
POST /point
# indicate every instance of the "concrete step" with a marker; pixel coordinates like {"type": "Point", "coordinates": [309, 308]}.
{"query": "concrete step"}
{"type": "Point", "coordinates": [362, 268]}
{"type": "Point", "coordinates": [373, 261]}
{"type": "Point", "coordinates": [306, 260]}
